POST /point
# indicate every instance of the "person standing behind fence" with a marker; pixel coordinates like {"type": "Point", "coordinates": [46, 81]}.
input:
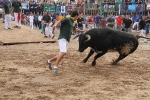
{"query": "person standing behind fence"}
{"type": "Point", "coordinates": [6, 10]}
{"type": "Point", "coordinates": [119, 22]}
{"type": "Point", "coordinates": [147, 25]}
{"type": "Point", "coordinates": [43, 24]}
{"type": "Point", "coordinates": [136, 22]}
{"type": "Point", "coordinates": [142, 25]}
{"type": "Point", "coordinates": [103, 21]}
{"type": "Point", "coordinates": [110, 22]}
{"type": "Point", "coordinates": [90, 22]}
{"type": "Point", "coordinates": [36, 20]}
{"type": "Point", "coordinates": [39, 20]}
{"type": "Point", "coordinates": [46, 20]}
{"type": "Point", "coordinates": [127, 24]}
{"type": "Point", "coordinates": [80, 23]}
{"type": "Point", "coordinates": [97, 20]}
{"type": "Point", "coordinates": [17, 13]}
{"type": "Point", "coordinates": [31, 19]}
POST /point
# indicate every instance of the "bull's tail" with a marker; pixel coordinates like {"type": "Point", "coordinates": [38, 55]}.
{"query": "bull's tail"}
{"type": "Point", "coordinates": [137, 36]}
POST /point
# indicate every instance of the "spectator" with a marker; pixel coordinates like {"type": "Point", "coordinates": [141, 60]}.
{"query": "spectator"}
{"type": "Point", "coordinates": [46, 21]}
{"type": "Point", "coordinates": [119, 22]}
{"type": "Point", "coordinates": [103, 21]}
{"type": "Point", "coordinates": [17, 13]}
{"type": "Point", "coordinates": [80, 22]}
{"type": "Point", "coordinates": [31, 19]}
{"type": "Point", "coordinates": [39, 20]}
{"type": "Point", "coordinates": [136, 22]}
{"type": "Point", "coordinates": [142, 25]}
{"type": "Point", "coordinates": [36, 20]}
{"type": "Point", "coordinates": [110, 22]}
{"type": "Point", "coordinates": [6, 10]}
{"type": "Point", "coordinates": [90, 22]}
{"type": "Point", "coordinates": [127, 24]}
{"type": "Point", "coordinates": [147, 25]}
{"type": "Point", "coordinates": [60, 16]}
{"type": "Point", "coordinates": [97, 20]}
{"type": "Point", "coordinates": [23, 19]}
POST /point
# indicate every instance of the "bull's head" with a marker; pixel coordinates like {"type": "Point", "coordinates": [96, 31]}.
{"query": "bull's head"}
{"type": "Point", "coordinates": [83, 42]}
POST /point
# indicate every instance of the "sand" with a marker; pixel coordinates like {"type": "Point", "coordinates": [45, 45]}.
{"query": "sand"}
{"type": "Point", "coordinates": [24, 74]}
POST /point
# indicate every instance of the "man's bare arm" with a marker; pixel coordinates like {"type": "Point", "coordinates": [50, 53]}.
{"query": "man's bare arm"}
{"type": "Point", "coordinates": [4, 11]}
{"type": "Point", "coordinates": [56, 23]}
{"type": "Point", "coordinates": [78, 30]}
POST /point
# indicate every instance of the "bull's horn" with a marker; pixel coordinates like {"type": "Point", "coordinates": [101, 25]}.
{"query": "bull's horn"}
{"type": "Point", "coordinates": [88, 38]}
{"type": "Point", "coordinates": [76, 36]}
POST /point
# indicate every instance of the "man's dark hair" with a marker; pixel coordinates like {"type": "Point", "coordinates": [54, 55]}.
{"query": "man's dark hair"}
{"type": "Point", "coordinates": [74, 13]}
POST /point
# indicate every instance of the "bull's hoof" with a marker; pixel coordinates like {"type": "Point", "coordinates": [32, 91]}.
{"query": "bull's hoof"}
{"type": "Point", "coordinates": [114, 62]}
{"type": "Point", "coordinates": [84, 61]}
{"type": "Point", "coordinates": [93, 63]}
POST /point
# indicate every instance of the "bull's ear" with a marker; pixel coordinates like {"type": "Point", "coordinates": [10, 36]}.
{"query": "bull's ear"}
{"type": "Point", "coordinates": [76, 36]}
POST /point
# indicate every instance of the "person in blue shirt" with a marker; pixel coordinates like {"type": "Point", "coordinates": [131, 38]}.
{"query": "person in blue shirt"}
{"type": "Point", "coordinates": [36, 20]}
{"type": "Point", "coordinates": [136, 22]}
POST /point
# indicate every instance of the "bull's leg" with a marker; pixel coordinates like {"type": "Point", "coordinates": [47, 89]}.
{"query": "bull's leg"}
{"type": "Point", "coordinates": [119, 58]}
{"type": "Point", "coordinates": [89, 55]}
{"type": "Point", "coordinates": [97, 56]}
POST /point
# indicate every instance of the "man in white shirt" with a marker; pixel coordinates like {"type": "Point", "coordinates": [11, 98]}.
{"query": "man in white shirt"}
{"type": "Point", "coordinates": [39, 20]}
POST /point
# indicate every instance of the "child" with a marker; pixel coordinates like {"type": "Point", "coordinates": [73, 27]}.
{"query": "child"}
{"type": "Point", "coordinates": [31, 18]}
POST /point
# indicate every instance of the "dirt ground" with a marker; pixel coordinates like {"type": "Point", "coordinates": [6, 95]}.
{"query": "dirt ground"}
{"type": "Point", "coordinates": [24, 74]}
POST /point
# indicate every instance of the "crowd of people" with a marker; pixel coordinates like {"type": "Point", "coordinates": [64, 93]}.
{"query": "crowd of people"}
{"type": "Point", "coordinates": [45, 21]}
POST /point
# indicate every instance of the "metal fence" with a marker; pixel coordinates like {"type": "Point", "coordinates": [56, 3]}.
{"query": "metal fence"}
{"type": "Point", "coordinates": [133, 8]}
{"type": "Point", "coordinates": [91, 9]}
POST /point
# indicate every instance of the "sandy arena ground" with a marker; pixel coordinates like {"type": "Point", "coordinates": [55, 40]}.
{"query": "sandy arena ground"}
{"type": "Point", "coordinates": [24, 74]}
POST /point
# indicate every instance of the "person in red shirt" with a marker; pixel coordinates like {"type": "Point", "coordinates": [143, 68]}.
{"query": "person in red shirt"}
{"type": "Point", "coordinates": [119, 22]}
{"type": "Point", "coordinates": [90, 22]}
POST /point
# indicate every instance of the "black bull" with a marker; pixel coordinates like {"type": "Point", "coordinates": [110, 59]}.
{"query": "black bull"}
{"type": "Point", "coordinates": [101, 40]}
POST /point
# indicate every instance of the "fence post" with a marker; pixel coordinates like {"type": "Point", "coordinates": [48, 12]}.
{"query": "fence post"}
{"type": "Point", "coordinates": [100, 7]}
{"type": "Point", "coordinates": [84, 8]}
